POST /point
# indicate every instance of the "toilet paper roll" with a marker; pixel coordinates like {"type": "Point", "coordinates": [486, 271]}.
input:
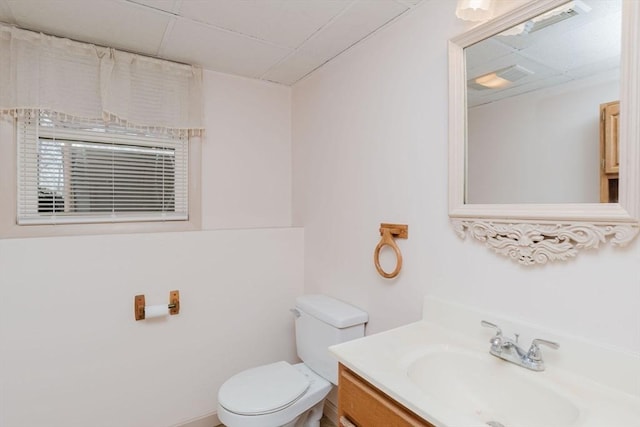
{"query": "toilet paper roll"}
{"type": "Point", "coordinates": [151, 311]}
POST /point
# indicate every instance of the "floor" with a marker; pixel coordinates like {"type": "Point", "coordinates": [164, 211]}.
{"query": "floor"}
{"type": "Point", "coordinates": [325, 422]}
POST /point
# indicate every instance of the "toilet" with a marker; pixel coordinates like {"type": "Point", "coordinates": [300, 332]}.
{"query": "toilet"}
{"type": "Point", "coordinates": [284, 395]}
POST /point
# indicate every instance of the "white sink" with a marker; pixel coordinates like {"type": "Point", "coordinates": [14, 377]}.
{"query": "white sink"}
{"type": "Point", "coordinates": [490, 390]}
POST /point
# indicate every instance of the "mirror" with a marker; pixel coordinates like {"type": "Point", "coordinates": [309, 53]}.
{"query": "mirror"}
{"type": "Point", "coordinates": [541, 83]}
{"type": "Point", "coordinates": [528, 92]}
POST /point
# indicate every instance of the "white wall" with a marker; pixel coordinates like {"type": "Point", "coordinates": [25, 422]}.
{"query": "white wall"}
{"type": "Point", "coordinates": [370, 146]}
{"type": "Point", "coordinates": [246, 157]}
{"type": "Point", "coordinates": [547, 151]}
{"type": "Point", "coordinates": [71, 353]}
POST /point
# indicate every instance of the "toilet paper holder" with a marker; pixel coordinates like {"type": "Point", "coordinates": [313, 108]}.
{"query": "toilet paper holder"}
{"type": "Point", "coordinates": [139, 304]}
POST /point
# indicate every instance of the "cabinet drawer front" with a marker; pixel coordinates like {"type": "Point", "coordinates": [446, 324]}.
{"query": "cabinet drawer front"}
{"type": "Point", "coordinates": [366, 406]}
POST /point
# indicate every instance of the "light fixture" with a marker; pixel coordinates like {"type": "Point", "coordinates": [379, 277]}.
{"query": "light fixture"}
{"type": "Point", "coordinates": [474, 10]}
{"type": "Point", "coordinates": [499, 78]}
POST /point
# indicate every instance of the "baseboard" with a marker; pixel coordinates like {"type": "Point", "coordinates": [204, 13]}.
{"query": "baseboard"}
{"type": "Point", "coordinates": [331, 412]}
{"type": "Point", "coordinates": [210, 420]}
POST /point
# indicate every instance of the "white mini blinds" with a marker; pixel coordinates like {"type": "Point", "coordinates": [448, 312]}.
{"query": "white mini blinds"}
{"type": "Point", "coordinates": [76, 170]}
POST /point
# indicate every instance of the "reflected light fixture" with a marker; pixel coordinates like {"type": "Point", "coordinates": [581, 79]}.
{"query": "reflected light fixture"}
{"type": "Point", "coordinates": [500, 78]}
{"type": "Point", "coordinates": [474, 10]}
{"type": "Point", "coordinates": [491, 81]}
{"type": "Point", "coordinates": [560, 13]}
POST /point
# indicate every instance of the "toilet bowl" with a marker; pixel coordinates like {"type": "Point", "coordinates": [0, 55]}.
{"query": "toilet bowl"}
{"type": "Point", "coordinates": [284, 395]}
{"type": "Point", "coordinates": [274, 395]}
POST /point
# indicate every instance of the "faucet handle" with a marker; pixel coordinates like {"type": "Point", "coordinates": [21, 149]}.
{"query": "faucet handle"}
{"type": "Point", "coordinates": [534, 351]}
{"type": "Point", "coordinates": [492, 325]}
{"type": "Point", "coordinates": [496, 341]}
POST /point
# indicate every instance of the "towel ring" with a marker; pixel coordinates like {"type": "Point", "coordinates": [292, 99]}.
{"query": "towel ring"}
{"type": "Point", "coordinates": [388, 232]}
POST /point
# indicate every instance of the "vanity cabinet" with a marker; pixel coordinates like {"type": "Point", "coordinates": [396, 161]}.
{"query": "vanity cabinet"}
{"type": "Point", "coordinates": [609, 154]}
{"type": "Point", "coordinates": [360, 404]}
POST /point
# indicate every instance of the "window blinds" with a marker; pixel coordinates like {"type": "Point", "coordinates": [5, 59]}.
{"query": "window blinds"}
{"type": "Point", "coordinates": [82, 170]}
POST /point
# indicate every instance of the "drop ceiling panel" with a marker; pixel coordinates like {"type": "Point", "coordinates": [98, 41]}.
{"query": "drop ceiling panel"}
{"type": "Point", "coordinates": [277, 40]}
{"type": "Point", "coordinates": [283, 22]}
{"type": "Point", "coordinates": [293, 68]}
{"type": "Point", "coordinates": [104, 22]}
{"type": "Point", "coordinates": [357, 22]}
{"type": "Point", "coordinates": [220, 50]}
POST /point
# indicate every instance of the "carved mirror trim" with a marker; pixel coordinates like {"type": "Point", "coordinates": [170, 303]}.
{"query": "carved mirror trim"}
{"type": "Point", "coordinates": [538, 233]}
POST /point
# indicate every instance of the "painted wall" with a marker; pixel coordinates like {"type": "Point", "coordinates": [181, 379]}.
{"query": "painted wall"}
{"type": "Point", "coordinates": [72, 354]}
{"type": "Point", "coordinates": [547, 151]}
{"type": "Point", "coordinates": [370, 146]}
{"type": "Point", "coordinates": [246, 158]}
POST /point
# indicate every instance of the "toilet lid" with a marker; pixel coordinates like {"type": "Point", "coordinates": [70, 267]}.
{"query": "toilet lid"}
{"type": "Point", "coordinates": [263, 390]}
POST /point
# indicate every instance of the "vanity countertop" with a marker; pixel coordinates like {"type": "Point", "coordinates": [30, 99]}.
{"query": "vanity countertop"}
{"type": "Point", "coordinates": [385, 359]}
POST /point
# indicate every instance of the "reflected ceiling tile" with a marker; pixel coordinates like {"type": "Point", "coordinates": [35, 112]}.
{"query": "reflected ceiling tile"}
{"type": "Point", "coordinates": [583, 46]}
{"type": "Point", "coordinates": [103, 22]}
{"type": "Point", "coordinates": [486, 51]}
{"type": "Point", "coordinates": [220, 50]}
{"type": "Point", "coordinates": [284, 22]}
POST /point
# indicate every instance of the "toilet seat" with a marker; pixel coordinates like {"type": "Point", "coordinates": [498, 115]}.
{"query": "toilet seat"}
{"type": "Point", "coordinates": [263, 390]}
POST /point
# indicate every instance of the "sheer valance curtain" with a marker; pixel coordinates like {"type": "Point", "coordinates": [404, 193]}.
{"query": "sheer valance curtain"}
{"type": "Point", "coordinates": [41, 72]}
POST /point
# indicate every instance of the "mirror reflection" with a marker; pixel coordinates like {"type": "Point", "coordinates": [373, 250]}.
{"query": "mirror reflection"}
{"type": "Point", "coordinates": [542, 108]}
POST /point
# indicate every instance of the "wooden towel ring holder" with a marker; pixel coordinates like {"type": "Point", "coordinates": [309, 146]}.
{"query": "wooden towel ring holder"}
{"type": "Point", "coordinates": [389, 232]}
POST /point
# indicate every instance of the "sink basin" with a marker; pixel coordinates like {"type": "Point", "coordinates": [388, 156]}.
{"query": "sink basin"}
{"type": "Point", "coordinates": [490, 390]}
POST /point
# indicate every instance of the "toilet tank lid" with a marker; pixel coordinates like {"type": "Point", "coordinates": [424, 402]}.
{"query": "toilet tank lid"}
{"type": "Point", "coordinates": [336, 313]}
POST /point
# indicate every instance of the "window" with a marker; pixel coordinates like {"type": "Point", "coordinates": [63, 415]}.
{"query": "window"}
{"type": "Point", "coordinates": [74, 170]}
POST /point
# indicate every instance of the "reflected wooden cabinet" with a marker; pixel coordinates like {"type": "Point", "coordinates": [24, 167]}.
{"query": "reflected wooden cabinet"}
{"type": "Point", "coordinates": [609, 154]}
{"type": "Point", "coordinates": [362, 405]}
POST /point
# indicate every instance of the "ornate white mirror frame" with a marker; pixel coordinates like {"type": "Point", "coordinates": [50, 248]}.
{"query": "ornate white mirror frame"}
{"type": "Point", "coordinates": [538, 233]}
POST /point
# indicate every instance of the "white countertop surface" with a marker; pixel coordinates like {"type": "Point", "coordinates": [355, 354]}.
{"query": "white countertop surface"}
{"type": "Point", "coordinates": [383, 359]}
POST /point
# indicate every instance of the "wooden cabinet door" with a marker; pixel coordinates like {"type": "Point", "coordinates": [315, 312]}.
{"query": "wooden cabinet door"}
{"type": "Point", "coordinates": [609, 153]}
{"type": "Point", "coordinates": [362, 405]}
{"type": "Point", "coordinates": [611, 126]}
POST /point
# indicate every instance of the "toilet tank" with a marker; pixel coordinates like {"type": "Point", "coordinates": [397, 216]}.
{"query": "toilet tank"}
{"type": "Point", "coordinates": [322, 321]}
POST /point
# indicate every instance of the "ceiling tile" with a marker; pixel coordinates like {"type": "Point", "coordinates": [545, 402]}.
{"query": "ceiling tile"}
{"type": "Point", "coordinates": [284, 22]}
{"type": "Point", "coordinates": [360, 20]}
{"type": "Point", "coordinates": [294, 68]}
{"type": "Point", "coordinates": [220, 50]}
{"type": "Point", "coordinates": [104, 22]}
{"type": "Point", "coordinates": [357, 22]}
{"type": "Point", "coordinates": [5, 13]}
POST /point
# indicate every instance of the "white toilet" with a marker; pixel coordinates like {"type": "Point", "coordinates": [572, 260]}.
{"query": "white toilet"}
{"type": "Point", "coordinates": [284, 395]}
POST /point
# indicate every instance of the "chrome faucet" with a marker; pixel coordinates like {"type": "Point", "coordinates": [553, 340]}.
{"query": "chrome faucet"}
{"type": "Point", "coordinates": [509, 350]}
